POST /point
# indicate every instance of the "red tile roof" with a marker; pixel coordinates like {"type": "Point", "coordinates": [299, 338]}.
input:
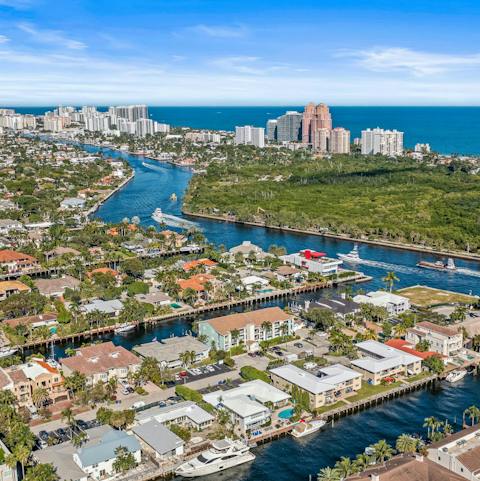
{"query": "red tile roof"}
{"type": "Point", "coordinates": [406, 347]}
{"type": "Point", "coordinates": [12, 256]}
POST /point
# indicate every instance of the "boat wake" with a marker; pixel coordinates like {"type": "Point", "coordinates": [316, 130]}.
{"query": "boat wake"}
{"type": "Point", "coordinates": [384, 265]}
{"type": "Point", "coordinates": [467, 272]}
{"type": "Point", "coordinates": [153, 167]}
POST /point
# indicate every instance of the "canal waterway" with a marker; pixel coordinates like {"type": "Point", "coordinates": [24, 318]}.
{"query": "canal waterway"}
{"type": "Point", "coordinates": [288, 459]}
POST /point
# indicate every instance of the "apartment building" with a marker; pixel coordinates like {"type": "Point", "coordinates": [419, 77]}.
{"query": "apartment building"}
{"type": "Point", "coordinates": [8, 288]}
{"type": "Point", "coordinates": [393, 303]}
{"type": "Point", "coordinates": [442, 339]}
{"type": "Point", "coordinates": [329, 385]}
{"type": "Point", "coordinates": [380, 141]}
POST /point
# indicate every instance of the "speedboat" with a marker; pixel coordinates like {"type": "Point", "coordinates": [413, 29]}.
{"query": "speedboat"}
{"type": "Point", "coordinates": [352, 256]}
{"type": "Point", "coordinates": [123, 328]}
{"type": "Point", "coordinates": [456, 375]}
{"type": "Point", "coordinates": [224, 454]}
{"type": "Point", "coordinates": [7, 351]}
{"type": "Point", "coordinates": [304, 429]}
{"type": "Point", "coordinates": [171, 220]}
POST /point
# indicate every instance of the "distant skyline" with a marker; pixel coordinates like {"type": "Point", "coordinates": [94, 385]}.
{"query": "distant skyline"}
{"type": "Point", "coordinates": [221, 53]}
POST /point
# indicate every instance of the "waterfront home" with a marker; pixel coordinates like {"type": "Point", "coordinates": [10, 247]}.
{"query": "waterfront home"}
{"type": "Point", "coordinates": [246, 249]}
{"type": "Point", "coordinates": [342, 308]}
{"type": "Point", "coordinates": [313, 261]}
{"type": "Point", "coordinates": [379, 361]}
{"type": "Point", "coordinates": [48, 319]}
{"type": "Point", "coordinates": [248, 328]}
{"type": "Point", "coordinates": [155, 298]}
{"type": "Point", "coordinates": [9, 225]}
{"type": "Point", "coordinates": [186, 413]}
{"type": "Point", "coordinates": [8, 288]}
{"type": "Point", "coordinates": [168, 351]}
{"type": "Point", "coordinates": [442, 339]}
{"type": "Point", "coordinates": [249, 404]}
{"type": "Point", "coordinates": [393, 303]}
{"type": "Point", "coordinates": [253, 283]}
{"type": "Point", "coordinates": [414, 467]}
{"type": "Point", "coordinates": [60, 252]}
{"type": "Point", "coordinates": [101, 362]}
{"type": "Point", "coordinates": [97, 456]}
{"type": "Point", "coordinates": [56, 287]}
{"type": "Point", "coordinates": [14, 261]}
{"type": "Point", "coordinates": [158, 440]}
{"type": "Point", "coordinates": [72, 203]}
{"type": "Point", "coordinates": [459, 453]}
{"type": "Point", "coordinates": [110, 308]}
{"type": "Point", "coordinates": [409, 348]}
{"type": "Point", "coordinates": [331, 384]}
{"type": "Point", "coordinates": [200, 283]}
{"type": "Point", "coordinates": [24, 379]}
{"type": "Point", "coordinates": [206, 263]}
{"type": "Point", "coordinates": [106, 271]}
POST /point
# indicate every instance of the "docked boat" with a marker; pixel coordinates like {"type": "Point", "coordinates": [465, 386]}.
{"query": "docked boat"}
{"type": "Point", "coordinates": [456, 375]}
{"type": "Point", "coordinates": [7, 351]}
{"type": "Point", "coordinates": [171, 220]}
{"type": "Point", "coordinates": [438, 265]}
{"type": "Point", "coordinates": [124, 328]}
{"type": "Point", "coordinates": [304, 429]}
{"type": "Point", "coordinates": [173, 197]}
{"type": "Point", "coordinates": [352, 256]}
{"type": "Point", "coordinates": [223, 454]}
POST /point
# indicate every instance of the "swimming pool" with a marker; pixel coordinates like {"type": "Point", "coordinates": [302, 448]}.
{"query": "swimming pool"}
{"type": "Point", "coordinates": [286, 413]}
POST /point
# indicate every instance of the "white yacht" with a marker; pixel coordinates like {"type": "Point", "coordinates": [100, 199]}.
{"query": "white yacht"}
{"type": "Point", "coordinates": [352, 256]}
{"type": "Point", "coordinates": [223, 454]}
{"type": "Point", "coordinates": [304, 429]}
{"type": "Point", "coordinates": [123, 328]}
{"type": "Point", "coordinates": [171, 220]}
{"type": "Point", "coordinates": [456, 375]}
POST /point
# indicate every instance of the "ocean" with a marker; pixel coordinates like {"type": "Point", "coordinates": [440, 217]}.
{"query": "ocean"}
{"type": "Point", "coordinates": [447, 129]}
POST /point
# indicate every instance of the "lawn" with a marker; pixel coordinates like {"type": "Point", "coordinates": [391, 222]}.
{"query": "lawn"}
{"type": "Point", "coordinates": [423, 296]}
{"type": "Point", "coordinates": [422, 375]}
{"type": "Point", "coordinates": [368, 390]}
{"type": "Point", "coordinates": [330, 407]}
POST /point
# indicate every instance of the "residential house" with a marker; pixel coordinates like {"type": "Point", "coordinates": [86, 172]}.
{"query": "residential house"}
{"type": "Point", "coordinates": [252, 283]}
{"type": "Point", "coordinates": [167, 352]}
{"type": "Point", "coordinates": [185, 413]}
{"type": "Point", "coordinates": [158, 440]}
{"type": "Point", "coordinates": [9, 225]}
{"type": "Point", "coordinates": [7, 473]}
{"type": "Point", "coordinates": [155, 298]}
{"type": "Point", "coordinates": [8, 288]}
{"type": "Point", "coordinates": [331, 384]}
{"type": "Point", "coordinates": [313, 261]}
{"type": "Point", "coordinates": [72, 203]}
{"type": "Point", "coordinates": [61, 251]}
{"type": "Point", "coordinates": [14, 261]}
{"type": "Point", "coordinates": [56, 287]}
{"type": "Point", "coordinates": [442, 339]}
{"type": "Point", "coordinates": [393, 303]}
{"type": "Point", "coordinates": [459, 453]}
{"type": "Point", "coordinates": [380, 361]}
{"type": "Point", "coordinates": [207, 263]}
{"type": "Point", "coordinates": [407, 347]}
{"type": "Point", "coordinates": [250, 403]}
{"type": "Point", "coordinates": [105, 270]}
{"type": "Point", "coordinates": [101, 362]}
{"type": "Point", "coordinates": [48, 319]}
{"type": "Point", "coordinates": [110, 308]}
{"type": "Point", "coordinates": [248, 328]}
{"type": "Point", "coordinates": [342, 308]}
{"type": "Point", "coordinates": [247, 249]}
{"type": "Point", "coordinates": [199, 283]}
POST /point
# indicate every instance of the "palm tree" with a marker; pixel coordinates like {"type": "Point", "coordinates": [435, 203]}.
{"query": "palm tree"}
{"type": "Point", "coordinates": [235, 334]}
{"type": "Point", "coordinates": [431, 423]}
{"type": "Point", "coordinates": [390, 280]}
{"type": "Point", "coordinates": [362, 462]}
{"type": "Point", "coordinates": [473, 413]}
{"type": "Point", "coordinates": [21, 454]}
{"type": "Point", "coordinates": [328, 474]}
{"type": "Point", "coordinates": [406, 444]}
{"type": "Point", "coordinates": [79, 439]}
{"type": "Point", "coordinates": [69, 418]}
{"type": "Point", "coordinates": [39, 397]}
{"type": "Point", "coordinates": [382, 451]}
{"type": "Point", "coordinates": [185, 358]}
{"type": "Point", "coordinates": [266, 329]}
{"type": "Point", "coordinates": [345, 467]}
{"type": "Point", "coordinates": [447, 428]}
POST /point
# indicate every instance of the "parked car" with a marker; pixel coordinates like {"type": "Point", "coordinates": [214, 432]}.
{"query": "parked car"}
{"type": "Point", "coordinates": [298, 344]}
{"type": "Point", "coordinates": [43, 435]}
{"type": "Point", "coordinates": [138, 404]}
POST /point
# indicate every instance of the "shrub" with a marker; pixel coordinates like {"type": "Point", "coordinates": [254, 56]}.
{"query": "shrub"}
{"type": "Point", "coordinates": [188, 394]}
{"type": "Point", "coordinates": [250, 373]}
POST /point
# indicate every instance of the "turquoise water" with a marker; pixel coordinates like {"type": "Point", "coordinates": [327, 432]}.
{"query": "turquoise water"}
{"type": "Point", "coordinates": [447, 129]}
{"type": "Point", "coordinates": [286, 413]}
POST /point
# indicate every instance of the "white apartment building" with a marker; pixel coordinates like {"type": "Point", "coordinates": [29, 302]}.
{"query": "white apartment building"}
{"type": "Point", "coordinates": [393, 303]}
{"type": "Point", "coordinates": [380, 141]}
{"type": "Point", "coordinates": [313, 261]}
{"type": "Point", "coordinates": [249, 135]}
{"type": "Point", "coordinates": [444, 340]}
{"type": "Point", "coordinates": [459, 453]}
{"type": "Point", "coordinates": [203, 137]}
{"type": "Point", "coordinates": [380, 361]}
{"type": "Point", "coordinates": [339, 141]}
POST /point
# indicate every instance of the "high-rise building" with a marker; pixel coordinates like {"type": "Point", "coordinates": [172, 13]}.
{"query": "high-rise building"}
{"type": "Point", "coordinates": [379, 141]}
{"type": "Point", "coordinates": [272, 130]}
{"type": "Point", "coordinates": [130, 112]}
{"type": "Point", "coordinates": [321, 140]}
{"type": "Point", "coordinates": [315, 117]}
{"type": "Point", "coordinates": [249, 135]}
{"type": "Point", "coordinates": [289, 126]}
{"type": "Point", "coordinates": [339, 141]}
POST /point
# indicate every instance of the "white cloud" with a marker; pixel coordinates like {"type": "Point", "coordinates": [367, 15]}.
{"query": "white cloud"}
{"type": "Point", "coordinates": [17, 4]}
{"type": "Point", "coordinates": [221, 31]}
{"type": "Point", "coordinates": [51, 37]}
{"type": "Point", "coordinates": [416, 62]}
{"type": "Point", "coordinates": [4, 39]}
{"type": "Point", "coordinates": [248, 65]}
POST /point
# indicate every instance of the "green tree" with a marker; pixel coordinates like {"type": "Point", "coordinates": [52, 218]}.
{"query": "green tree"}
{"type": "Point", "coordinates": [42, 472]}
{"type": "Point", "coordinates": [124, 460]}
{"type": "Point", "coordinates": [390, 280]}
{"type": "Point", "coordinates": [328, 474]}
{"type": "Point", "coordinates": [406, 444]}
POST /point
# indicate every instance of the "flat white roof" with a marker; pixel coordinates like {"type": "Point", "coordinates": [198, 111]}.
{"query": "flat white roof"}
{"type": "Point", "coordinates": [332, 377]}
{"type": "Point", "coordinates": [381, 357]}
{"type": "Point", "coordinates": [169, 413]}
{"type": "Point", "coordinates": [381, 298]}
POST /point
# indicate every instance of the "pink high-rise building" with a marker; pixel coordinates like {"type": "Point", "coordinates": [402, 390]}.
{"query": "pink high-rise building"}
{"type": "Point", "coordinates": [315, 117]}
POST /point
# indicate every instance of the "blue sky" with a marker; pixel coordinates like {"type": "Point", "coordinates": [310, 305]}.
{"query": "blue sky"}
{"type": "Point", "coordinates": [240, 52]}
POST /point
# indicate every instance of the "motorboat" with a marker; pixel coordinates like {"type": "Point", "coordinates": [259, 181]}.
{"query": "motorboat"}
{"type": "Point", "coordinates": [352, 256]}
{"type": "Point", "coordinates": [439, 265]}
{"type": "Point", "coordinates": [7, 351]}
{"type": "Point", "coordinates": [171, 220]}
{"type": "Point", "coordinates": [456, 375]}
{"type": "Point", "coordinates": [223, 454]}
{"type": "Point", "coordinates": [305, 428]}
{"type": "Point", "coordinates": [124, 328]}
{"type": "Point", "coordinates": [173, 197]}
